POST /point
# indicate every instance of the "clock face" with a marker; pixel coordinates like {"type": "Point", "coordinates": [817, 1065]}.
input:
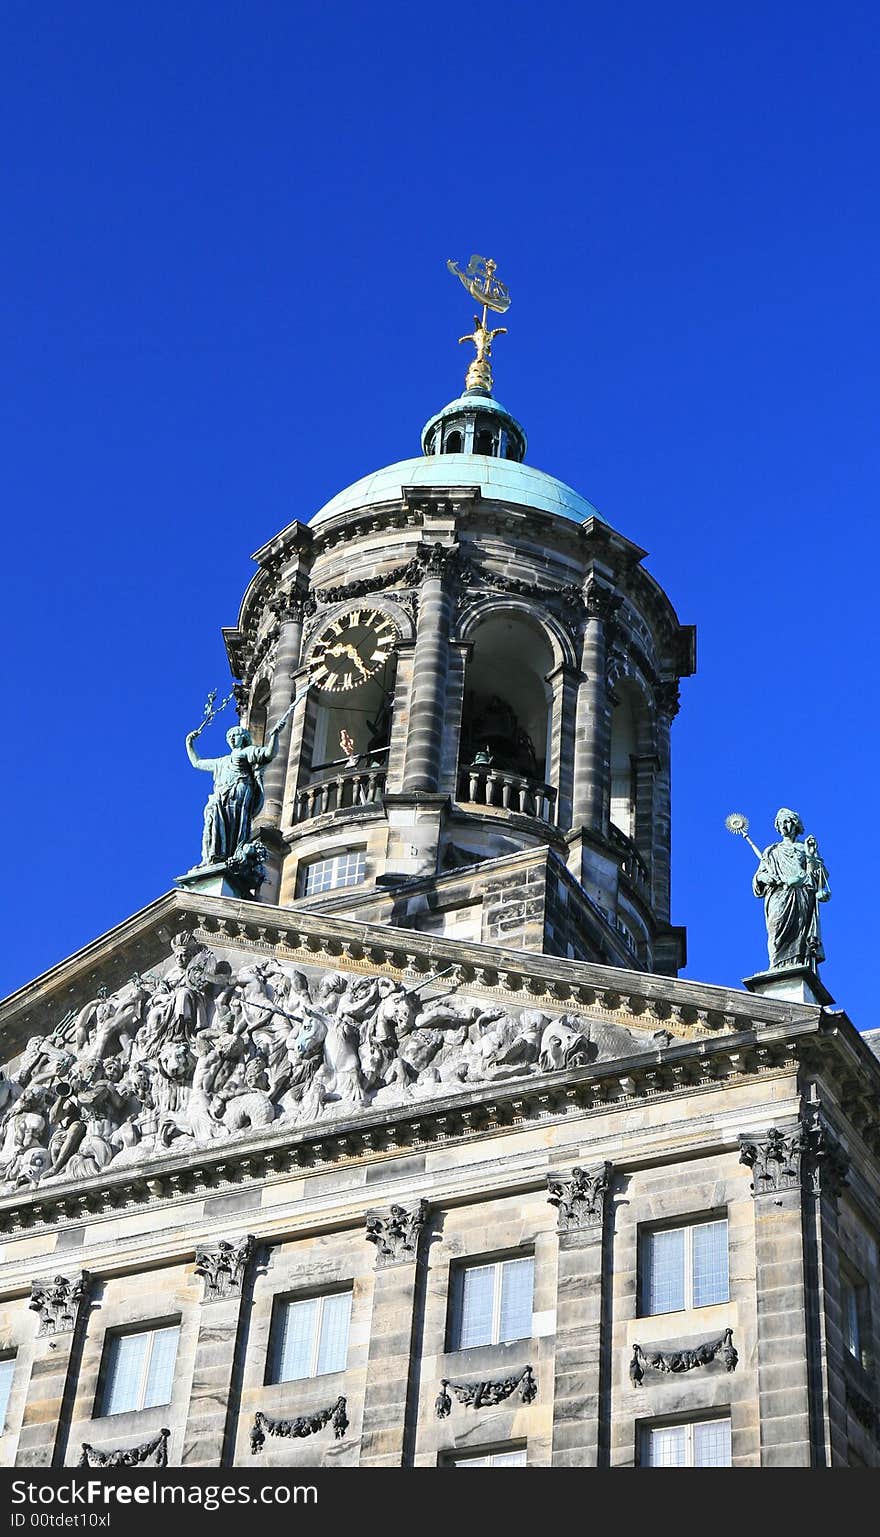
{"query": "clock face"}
{"type": "Point", "coordinates": [352, 649]}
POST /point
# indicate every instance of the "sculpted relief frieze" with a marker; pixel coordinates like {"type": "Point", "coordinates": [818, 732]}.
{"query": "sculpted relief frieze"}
{"type": "Point", "coordinates": [207, 1048]}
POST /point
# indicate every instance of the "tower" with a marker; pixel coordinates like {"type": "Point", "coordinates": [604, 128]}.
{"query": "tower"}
{"type": "Point", "coordinates": [492, 675]}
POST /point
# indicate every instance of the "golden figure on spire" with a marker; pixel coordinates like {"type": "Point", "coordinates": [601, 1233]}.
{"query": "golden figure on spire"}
{"type": "Point", "coordinates": [481, 283]}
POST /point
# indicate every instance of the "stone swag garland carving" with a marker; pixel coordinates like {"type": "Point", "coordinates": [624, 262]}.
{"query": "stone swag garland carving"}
{"type": "Point", "coordinates": [304, 1425]}
{"type": "Point", "coordinates": [155, 1451]}
{"type": "Point", "coordinates": [200, 1052]}
{"type": "Point", "coordinates": [685, 1360]}
{"type": "Point", "coordinates": [481, 1395]}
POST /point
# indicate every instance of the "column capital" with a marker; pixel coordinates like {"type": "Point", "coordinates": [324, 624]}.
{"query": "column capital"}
{"type": "Point", "coordinates": [581, 1200]}
{"type": "Point", "coordinates": [57, 1301]}
{"type": "Point", "coordinates": [396, 1233]}
{"type": "Point", "coordinates": [222, 1266]}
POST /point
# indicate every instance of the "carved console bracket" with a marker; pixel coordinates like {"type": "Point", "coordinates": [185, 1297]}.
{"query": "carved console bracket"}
{"type": "Point", "coordinates": [57, 1302]}
{"type": "Point", "coordinates": [222, 1267]}
{"type": "Point", "coordinates": [683, 1360]}
{"type": "Point", "coordinates": [304, 1425]}
{"type": "Point", "coordinates": [155, 1451]}
{"type": "Point", "coordinates": [396, 1234]}
{"type": "Point", "coordinates": [580, 1201]}
{"type": "Point", "coordinates": [481, 1395]}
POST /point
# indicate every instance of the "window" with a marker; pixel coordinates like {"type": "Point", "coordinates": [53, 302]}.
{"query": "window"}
{"type": "Point", "coordinates": [492, 1303]}
{"type": "Point", "coordinates": [7, 1369]}
{"type": "Point", "coordinates": [854, 1307]}
{"type": "Point", "coordinates": [139, 1369]}
{"type": "Point", "coordinates": [684, 1267]}
{"type": "Point", "coordinates": [310, 1338]}
{"type": "Point", "coordinates": [704, 1444]}
{"type": "Point", "coordinates": [515, 1458]}
{"type": "Point", "coordinates": [346, 869]}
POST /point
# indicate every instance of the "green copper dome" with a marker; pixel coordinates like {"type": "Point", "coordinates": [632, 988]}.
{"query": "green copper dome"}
{"type": "Point", "coordinates": [499, 480]}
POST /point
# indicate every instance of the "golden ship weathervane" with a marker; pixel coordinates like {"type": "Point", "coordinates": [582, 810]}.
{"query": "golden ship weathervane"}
{"type": "Point", "coordinates": [481, 283]}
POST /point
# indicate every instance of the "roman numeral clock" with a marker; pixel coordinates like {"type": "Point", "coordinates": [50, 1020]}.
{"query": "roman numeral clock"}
{"type": "Point", "coordinates": [352, 649]}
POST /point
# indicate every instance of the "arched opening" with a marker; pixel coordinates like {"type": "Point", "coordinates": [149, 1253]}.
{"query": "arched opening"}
{"type": "Point", "coordinates": [623, 750]}
{"type": "Point", "coordinates": [485, 443]}
{"type": "Point", "coordinates": [344, 757]}
{"type": "Point", "coordinates": [506, 717]}
{"type": "Point", "coordinates": [258, 714]}
{"type": "Point", "coordinates": [453, 443]}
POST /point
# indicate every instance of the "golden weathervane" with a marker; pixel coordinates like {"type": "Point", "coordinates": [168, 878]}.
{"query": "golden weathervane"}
{"type": "Point", "coordinates": [481, 283]}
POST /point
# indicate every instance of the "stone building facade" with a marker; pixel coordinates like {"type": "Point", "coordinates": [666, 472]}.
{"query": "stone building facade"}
{"type": "Point", "coordinates": [419, 1153]}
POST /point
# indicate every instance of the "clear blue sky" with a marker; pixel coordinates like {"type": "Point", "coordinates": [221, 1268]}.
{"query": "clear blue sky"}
{"type": "Point", "coordinates": [225, 297]}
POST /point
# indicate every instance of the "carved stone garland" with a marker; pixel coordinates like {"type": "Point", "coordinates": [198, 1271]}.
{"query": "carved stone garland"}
{"type": "Point", "coordinates": [481, 1395]}
{"type": "Point", "coordinates": [156, 1449]}
{"type": "Point", "coordinates": [304, 1425]}
{"type": "Point", "coordinates": [683, 1360]}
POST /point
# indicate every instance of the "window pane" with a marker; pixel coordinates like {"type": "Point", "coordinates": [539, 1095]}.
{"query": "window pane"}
{"type": "Point", "coordinates": [333, 1345]}
{"type": "Point", "coordinates": [471, 1462]}
{"type": "Point", "coordinates": [7, 1368]}
{"type": "Point", "coordinates": [665, 1289]}
{"type": "Point", "coordinates": [509, 1459]}
{"type": "Point", "coordinates": [293, 1351]}
{"type": "Point", "coordinates": [517, 1280]}
{"type": "Point", "coordinates": [712, 1444]}
{"type": "Point", "coordinates": [851, 1319]}
{"type": "Point", "coordinates": [160, 1374]}
{"type": "Point", "coordinates": [710, 1263]}
{"type": "Point", "coordinates": [125, 1373]}
{"type": "Point", "coordinates": [667, 1447]}
{"type": "Point", "coordinates": [475, 1306]}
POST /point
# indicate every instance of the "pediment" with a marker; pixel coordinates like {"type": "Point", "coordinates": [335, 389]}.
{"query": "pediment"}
{"type": "Point", "coordinates": [204, 1023]}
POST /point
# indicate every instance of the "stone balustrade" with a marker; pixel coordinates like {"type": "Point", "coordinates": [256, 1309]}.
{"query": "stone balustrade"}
{"type": "Point", "coordinates": [482, 785]}
{"type": "Point", "coordinates": [341, 792]}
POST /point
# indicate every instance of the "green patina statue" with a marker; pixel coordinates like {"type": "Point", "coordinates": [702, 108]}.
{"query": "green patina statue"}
{"type": "Point", "coordinates": [237, 796]}
{"type": "Point", "coordinates": [793, 880]}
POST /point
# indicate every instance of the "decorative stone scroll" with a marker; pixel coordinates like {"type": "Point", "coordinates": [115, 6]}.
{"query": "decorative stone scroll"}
{"type": "Point", "coordinates": [155, 1451]}
{"type": "Point", "coordinates": [57, 1301]}
{"type": "Point", "coordinates": [396, 1235]}
{"type": "Point", "coordinates": [580, 1201]}
{"type": "Point", "coordinates": [482, 1395]}
{"type": "Point", "coordinates": [222, 1266]}
{"type": "Point", "coordinates": [684, 1360]}
{"type": "Point", "coordinates": [304, 1425]}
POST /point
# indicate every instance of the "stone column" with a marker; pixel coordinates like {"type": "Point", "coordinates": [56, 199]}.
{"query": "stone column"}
{"type": "Point", "coordinates": [209, 1434]}
{"type": "Point", "coordinates": [389, 1402]}
{"type": "Point", "coordinates": [776, 1159]}
{"type": "Point", "coordinates": [580, 1392]}
{"type": "Point", "coordinates": [427, 706]}
{"type": "Point", "coordinates": [560, 770]}
{"type": "Point", "coordinates": [830, 1172]}
{"type": "Point", "coordinates": [280, 695]}
{"type": "Point", "coordinates": [592, 758]}
{"type": "Point", "coordinates": [61, 1305]}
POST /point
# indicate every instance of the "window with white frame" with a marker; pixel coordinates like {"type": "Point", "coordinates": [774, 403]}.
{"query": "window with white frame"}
{"type": "Point", "coordinates": [309, 1336]}
{"type": "Point", "coordinates": [345, 869]}
{"type": "Point", "coordinates": [492, 1303]}
{"type": "Point", "coordinates": [139, 1369]}
{"type": "Point", "coordinates": [514, 1457]}
{"type": "Point", "coordinates": [7, 1369]}
{"type": "Point", "coordinates": [702, 1444]}
{"type": "Point", "coordinates": [684, 1267]}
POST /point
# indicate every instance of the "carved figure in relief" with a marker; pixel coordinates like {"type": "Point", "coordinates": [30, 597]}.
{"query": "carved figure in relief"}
{"type": "Point", "coordinates": [204, 1051]}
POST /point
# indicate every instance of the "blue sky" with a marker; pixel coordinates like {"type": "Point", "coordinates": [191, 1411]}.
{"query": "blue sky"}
{"type": "Point", "coordinates": [225, 297]}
